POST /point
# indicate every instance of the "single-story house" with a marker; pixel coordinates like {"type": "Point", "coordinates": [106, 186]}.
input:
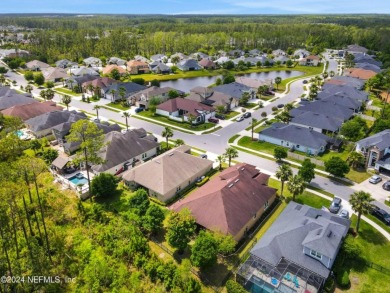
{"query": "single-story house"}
{"type": "Point", "coordinates": [232, 202]}
{"type": "Point", "coordinates": [93, 62]}
{"type": "Point", "coordinates": [65, 63]}
{"type": "Point", "coordinates": [295, 138]}
{"type": "Point", "coordinates": [236, 53]}
{"type": "Point", "coordinates": [142, 98]}
{"type": "Point", "coordinates": [54, 74]}
{"type": "Point", "coordinates": [36, 65]}
{"type": "Point", "coordinates": [159, 57]}
{"type": "Point", "coordinates": [179, 55]}
{"type": "Point", "coordinates": [180, 109]}
{"type": "Point", "coordinates": [125, 150]}
{"type": "Point", "coordinates": [345, 80]}
{"type": "Point", "coordinates": [9, 98]}
{"type": "Point", "coordinates": [42, 125]}
{"type": "Point", "coordinates": [359, 73]}
{"type": "Point", "coordinates": [166, 175]}
{"type": "Point", "coordinates": [254, 83]}
{"type": "Point", "coordinates": [12, 53]}
{"type": "Point", "coordinates": [340, 99]}
{"type": "Point", "coordinates": [356, 49]}
{"type": "Point", "coordinates": [376, 150]}
{"type": "Point", "coordinates": [99, 85]}
{"type": "Point", "coordinates": [279, 52]}
{"type": "Point", "coordinates": [141, 58]}
{"type": "Point", "coordinates": [344, 90]}
{"type": "Point", "coordinates": [111, 67]}
{"type": "Point", "coordinates": [137, 67]}
{"type": "Point", "coordinates": [82, 70]}
{"type": "Point", "coordinates": [364, 58]}
{"type": "Point", "coordinates": [222, 60]}
{"type": "Point", "coordinates": [209, 97]}
{"type": "Point", "coordinates": [317, 122]}
{"type": "Point", "coordinates": [116, 61]}
{"type": "Point", "coordinates": [235, 90]}
{"type": "Point", "coordinates": [282, 59]}
{"type": "Point", "coordinates": [199, 56]}
{"type": "Point", "coordinates": [368, 66]}
{"type": "Point", "coordinates": [114, 90]}
{"type": "Point", "coordinates": [263, 60]}
{"type": "Point", "coordinates": [207, 64]}
{"type": "Point", "coordinates": [301, 53]}
{"type": "Point", "coordinates": [159, 68]}
{"type": "Point", "coordinates": [79, 80]}
{"type": "Point", "coordinates": [31, 110]}
{"type": "Point", "coordinates": [189, 65]}
{"type": "Point", "coordinates": [297, 251]}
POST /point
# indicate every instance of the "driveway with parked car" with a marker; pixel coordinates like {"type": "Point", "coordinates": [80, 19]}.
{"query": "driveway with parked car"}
{"type": "Point", "coordinates": [374, 186]}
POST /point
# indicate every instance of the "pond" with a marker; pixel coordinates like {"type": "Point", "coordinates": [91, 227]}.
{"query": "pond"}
{"type": "Point", "coordinates": [185, 84]}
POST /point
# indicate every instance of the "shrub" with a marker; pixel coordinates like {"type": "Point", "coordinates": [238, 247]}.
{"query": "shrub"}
{"type": "Point", "coordinates": [343, 280]}
{"type": "Point", "coordinates": [200, 183]}
{"type": "Point", "coordinates": [274, 109]}
{"type": "Point", "coordinates": [104, 184]}
{"type": "Point", "coordinates": [280, 153]}
{"type": "Point", "coordinates": [234, 287]}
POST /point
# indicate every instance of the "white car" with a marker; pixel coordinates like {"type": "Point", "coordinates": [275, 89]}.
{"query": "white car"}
{"type": "Point", "coordinates": [344, 214]}
{"type": "Point", "coordinates": [241, 118]}
{"type": "Point", "coordinates": [375, 179]}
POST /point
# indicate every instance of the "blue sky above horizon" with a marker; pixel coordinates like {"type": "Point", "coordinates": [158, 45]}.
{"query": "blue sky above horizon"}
{"type": "Point", "coordinates": [196, 7]}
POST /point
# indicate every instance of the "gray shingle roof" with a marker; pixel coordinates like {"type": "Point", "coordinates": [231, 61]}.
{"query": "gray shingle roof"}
{"type": "Point", "coordinates": [381, 140]}
{"type": "Point", "coordinates": [351, 81]}
{"type": "Point", "coordinates": [297, 135]}
{"type": "Point", "coordinates": [344, 90]}
{"type": "Point", "coordinates": [234, 89]}
{"type": "Point", "coordinates": [325, 107]}
{"type": "Point", "coordinates": [299, 226]}
{"type": "Point", "coordinates": [368, 66]}
{"type": "Point", "coordinates": [317, 120]}
{"type": "Point", "coordinates": [52, 119]}
{"type": "Point", "coordinates": [189, 64]}
{"type": "Point", "coordinates": [10, 98]}
{"type": "Point", "coordinates": [340, 99]}
{"type": "Point", "coordinates": [130, 87]}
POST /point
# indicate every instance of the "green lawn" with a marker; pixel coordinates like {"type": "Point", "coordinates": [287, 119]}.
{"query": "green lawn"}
{"type": "Point", "coordinates": [308, 70]}
{"type": "Point", "coordinates": [233, 138]}
{"type": "Point", "coordinates": [379, 222]}
{"type": "Point", "coordinates": [250, 105]}
{"type": "Point", "coordinates": [110, 109]}
{"type": "Point", "coordinates": [257, 123]}
{"type": "Point", "coordinates": [66, 91]}
{"type": "Point", "coordinates": [231, 114]}
{"type": "Point", "coordinates": [260, 146]}
{"type": "Point", "coordinates": [118, 106]}
{"type": "Point", "coordinates": [158, 118]}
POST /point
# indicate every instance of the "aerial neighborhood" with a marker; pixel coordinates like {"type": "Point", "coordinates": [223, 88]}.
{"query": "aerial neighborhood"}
{"type": "Point", "coordinates": [230, 166]}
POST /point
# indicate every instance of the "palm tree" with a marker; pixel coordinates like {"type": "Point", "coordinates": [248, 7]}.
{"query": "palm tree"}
{"type": "Point", "coordinates": [179, 142]}
{"type": "Point", "coordinates": [331, 73]}
{"type": "Point", "coordinates": [231, 153]}
{"type": "Point", "coordinates": [278, 80]}
{"type": "Point", "coordinates": [28, 88]}
{"type": "Point", "coordinates": [325, 75]}
{"type": "Point", "coordinates": [355, 159]}
{"type": "Point", "coordinates": [91, 88]}
{"type": "Point", "coordinates": [296, 186]}
{"type": "Point", "coordinates": [122, 92]}
{"type": "Point", "coordinates": [167, 133]}
{"type": "Point", "coordinates": [2, 79]}
{"type": "Point", "coordinates": [126, 115]}
{"type": "Point", "coordinates": [71, 82]}
{"type": "Point", "coordinates": [253, 124]}
{"type": "Point", "coordinates": [361, 204]}
{"type": "Point", "coordinates": [66, 99]}
{"type": "Point", "coordinates": [112, 92]}
{"type": "Point", "coordinates": [97, 107]}
{"type": "Point", "coordinates": [284, 172]}
{"type": "Point", "coordinates": [221, 159]}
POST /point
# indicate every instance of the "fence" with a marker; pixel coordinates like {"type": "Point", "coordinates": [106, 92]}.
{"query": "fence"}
{"type": "Point", "coordinates": [379, 268]}
{"type": "Point", "coordinates": [302, 158]}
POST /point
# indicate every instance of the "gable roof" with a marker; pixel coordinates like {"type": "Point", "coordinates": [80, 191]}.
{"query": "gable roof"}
{"type": "Point", "coordinates": [63, 63]}
{"type": "Point", "coordinates": [9, 98]}
{"type": "Point", "coordinates": [206, 63]}
{"type": "Point", "coordinates": [227, 202]}
{"type": "Point", "coordinates": [169, 170]}
{"type": "Point", "coordinates": [346, 80]}
{"type": "Point", "coordinates": [368, 66]}
{"type": "Point", "coordinates": [360, 73]}
{"type": "Point", "coordinates": [317, 120]}
{"type": "Point", "coordinates": [111, 67]}
{"type": "Point", "coordinates": [51, 119]}
{"type": "Point", "coordinates": [340, 99]}
{"type": "Point", "coordinates": [155, 91]}
{"type": "Point", "coordinates": [190, 106]}
{"type": "Point", "coordinates": [253, 83]}
{"type": "Point", "coordinates": [381, 140]}
{"type": "Point", "coordinates": [36, 64]}
{"type": "Point", "coordinates": [130, 87]}
{"type": "Point", "coordinates": [83, 71]}
{"type": "Point", "coordinates": [357, 48]}
{"type": "Point", "coordinates": [297, 135]}
{"type": "Point", "coordinates": [301, 226]}
{"type": "Point", "coordinates": [102, 82]}
{"type": "Point", "coordinates": [136, 63]}
{"type": "Point", "coordinates": [326, 108]}
{"type": "Point", "coordinates": [188, 63]}
{"type": "Point", "coordinates": [122, 147]}
{"type": "Point", "coordinates": [52, 73]}
{"type": "Point", "coordinates": [234, 89]}
{"type": "Point", "coordinates": [31, 110]}
{"type": "Point", "coordinates": [159, 67]}
{"type": "Point", "coordinates": [344, 90]}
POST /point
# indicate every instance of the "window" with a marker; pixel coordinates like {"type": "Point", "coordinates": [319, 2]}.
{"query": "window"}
{"type": "Point", "coordinates": [178, 189]}
{"type": "Point", "coordinates": [144, 155]}
{"type": "Point", "coordinates": [266, 205]}
{"type": "Point", "coordinates": [287, 144]}
{"type": "Point", "coordinates": [281, 142]}
{"type": "Point", "coordinates": [315, 254]}
{"type": "Point", "coordinates": [297, 146]}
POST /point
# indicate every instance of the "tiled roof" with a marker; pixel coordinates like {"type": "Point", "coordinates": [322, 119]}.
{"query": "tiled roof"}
{"type": "Point", "coordinates": [191, 107]}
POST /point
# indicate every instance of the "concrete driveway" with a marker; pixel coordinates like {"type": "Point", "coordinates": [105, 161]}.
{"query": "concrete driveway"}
{"type": "Point", "coordinates": [375, 190]}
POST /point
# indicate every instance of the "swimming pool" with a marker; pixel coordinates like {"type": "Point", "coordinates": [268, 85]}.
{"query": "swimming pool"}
{"type": "Point", "coordinates": [78, 179]}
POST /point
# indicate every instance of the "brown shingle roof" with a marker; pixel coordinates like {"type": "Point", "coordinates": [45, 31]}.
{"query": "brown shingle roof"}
{"type": "Point", "coordinates": [360, 73]}
{"type": "Point", "coordinates": [191, 107]}
{"type": "Point", "coordinates": [102, 82]}
{"type": "Point", "coordinates": [206, 63]}
{"type": "Point", "coordinates": [228, 201]}
{"type": "Point", "coordinates": [32, 110]}
{"type": "Point", "coordinates": [109, 68]}
{"type": "Point", "coordinates": [133, 63]}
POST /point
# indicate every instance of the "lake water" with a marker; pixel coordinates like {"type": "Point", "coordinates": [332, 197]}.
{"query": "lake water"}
{"type": "Point", "coordinates": [185, 84]}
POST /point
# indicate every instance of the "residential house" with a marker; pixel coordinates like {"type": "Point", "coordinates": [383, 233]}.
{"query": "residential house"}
{"type": "Point", "coordinates": [137, 67]}
{"type": "Point", "coordinates": [221, 60]}
{"type": "Point", "coordinates": [189, 65]}
{"type": "Point", "coordinates": [62, 130]}
{"type": "Point", "coordinates": [235, 90]}
{"type": "Point", "coordinates": [207, 64]}
{"type": "Point", "coordinates": [180, 109]}
{"type": "Point", "coordinates": [341, 99]}
{"type": "Point", "coordinates": [82, 70]}
{"type": "Point", "coordinates": [199, 56]}
{"type": "Point", "coordinates": [356, 49]}
{"type": "Point", "coordinates": [141, 58]}
{"type": "Point", "coordinates": [368, 66]}
{"type": "Point", "coordinates": [111, 67]}
{"type": "Point", "coordinates": [113, 92]}
{"type": "Point", "coordinates": [254, 52]}
{"type": "Point", "coordinates": [295, 137]}
{"type": "Point", "coordinates": [54, 74]}
{"type": "Point", "coordinates": [159, 57]}
{"type": "Point", "coordinates": [236, 53]}
{"type": "Point", "coordinates": [93, 62]}
{"type": "Point", "coordinates": [344, 90]}
{"type": "Point", "coordinates": [9, 98]}
{"type": "Point", "coordinates": [254, 84]}
{"type": "Point", "coordinates": [263, 60]}
{"type": "Point", "coordinates": [278, 53]}
{"type": "Point", "coordinates": [36, 65]}
{"type": "Point", "coordinates": [159, 68]}
{"type": "Point", "coordinates": [99, 85]}
{"type": "Point", "coordinates": [376, 150]}
{"type": "Point", "coordinates": [311, 60]}
{"type": "Point", "coordinates": [281, 59]}
{"type": "Point", "coordinates": [123, 151]}
{"type": "Point", "coordinates": [209, 97]}
{"type": "Point", "coordinates": [296, 253]}
{"type": "Point", "coordinates": [231, 202]}
{"type": "Point", "coordinates": [172, 172]}
{"type": "Point", "coordinates": [364, 58]}
{"type": "Point", "coordinates": [79, 80]}
{"type": "Point", "coordinates": [31, 110]}
{"type": "Point", "coordinates": [359, 73]}
{"type": "Point", "coordinates": [65, 63]}
{"type": "Point", "coordinates": [317, 122]}
{"type": "Point", "coordinates": [301, 53]}
{"type": "Point", "coordinates": [117, 61]}
{"type": "Point", "coordinates": [12, 53]}
{"type": "Point", "coordinates": [345, 80]}
{"type": "Point", "coordinates": [142, 98]}
{"type": "Point", "coordinates": [179, 55]}
{"type": "Point", "coordinates": [43, 125]}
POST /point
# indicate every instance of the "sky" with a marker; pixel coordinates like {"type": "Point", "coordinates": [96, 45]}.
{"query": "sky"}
{"type": "Point", "coordinates": [196, 6]}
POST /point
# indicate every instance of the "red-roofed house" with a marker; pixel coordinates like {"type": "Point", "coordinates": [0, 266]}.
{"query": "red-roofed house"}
{"type": "Point", "coordinates": [137, 67]}
{"type": "Point", "coordinates": [207, 63]}
{"type": "Point", "coordinates": [311, 60]}
{"type": "Point", "coordinates": [98, 86]}
{"type": "Point", "coordinates": [360, 73]}
{"type": "Point", "coordinates": [111, 67]}
{"type": "Point", "coordinates": [179, 109]}
{"type": "Point", "coordinates": [28, 111]}
{"type": "Point", "coordinates": [232, 202]}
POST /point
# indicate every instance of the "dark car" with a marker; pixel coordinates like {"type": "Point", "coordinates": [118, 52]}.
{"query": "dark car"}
{"type": "Point", "coordinates": [335, 205]}
{"type": "Point", "coordinates": [213, 120]}
{"type": "Point", "coordinates": [381, 214]}
{"type": "Point", "coordinates": [137, 110]}
{"type": "Point", "coordinates": [203, 156]}
{"type": "Point", "coordinates": [220, 116]}
{"type": "Point", "coordinates": [280, 106]}
{"type": "Point", "coordinates": [304, 82]}
{"type": "Point", "coordinates": [247, 115]}
{"type": "Point", "coordinates": [386, 185]}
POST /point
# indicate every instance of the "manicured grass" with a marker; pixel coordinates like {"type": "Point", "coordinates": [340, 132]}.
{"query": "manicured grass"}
{"type": "Point", "coordinates": [255, 154]}
{"type": "Point", "coordinates": [231, 114]}
{"type": "Point", "coordinates": [387, 203]}
{"type": "Point", "coordinates": [260, 146]}
{"type": "Point", "coordinates": [308, 70]}
{"type": "Point", "coordinates": [110, 109]}
{"type": "Point", "coordinates": [257, 123]}
{"type": "Point", "coordinates": [66, 91]}
{"type": "Point", "coordinates": [184, 125]}
{"type": "Point", "coordinates": [377, 102]}
{"type": "Point", "coordinates": [260, 128]}
{"type": "Point", "coordinates": [250, 105]}
{"type": "Point", "coordinates": [233, 138]}
{"type": "Point", "coordinates": [320, 190]}
{"type": "Point", "coordinates": [212, 130]}
{"type": "Point", "coordinates": [374, 249]}
{"type": "Point", "coordinates": [379, 222]}
{"type": "Point", "coordinates": [118, 106]}
{"type": "Point", "coordinates": [357, 176]}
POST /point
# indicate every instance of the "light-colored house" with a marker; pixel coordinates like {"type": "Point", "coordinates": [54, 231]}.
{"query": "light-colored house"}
{"type": "Point", "coordinates": [209, 97]}
{"type": "Point", "coordinates": [279, 52]}
{"type": "Point", "coordinates": [189, 65]}
{"type": "Point", "coordinates": [376, 150]}
{"type": "Point", "coordinates": [93, 62]}
{"type": "Point", "coordinates": [166, 175]}
{"type": "Point", "coordinates": [142, 98]}
{"type": "Point", "coordinates": [36, 65]}
{"type": "Point", "coordinates": [301, 53]}
{"type": "Point", "coordinates": [116, 61]}
{"type": "Point", "coordinates": [111, 67]}
{"type": "Point", "coordinates": [137, 67]}
{"type": "Point", "coordinates": [180, 109]}
{"type": "Point", "coordinates": [311, 60]}
{"type": "Point", "coordinates": [54, 74]}
{"type": "Point", "coordinates": [82, 70]}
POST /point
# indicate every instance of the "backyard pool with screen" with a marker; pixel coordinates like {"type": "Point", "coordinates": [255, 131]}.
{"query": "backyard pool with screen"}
{"type": "Point", "coordinates": [78, 179]}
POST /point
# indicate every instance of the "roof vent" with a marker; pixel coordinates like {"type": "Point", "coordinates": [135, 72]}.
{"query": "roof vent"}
{"type": "Point", "coordinates": [230, 185]}
{"type": "Point", "coordinates": [329, 234]}
{"type": "Point", "coordinates": [298, 207]}
{"type": "Point", "coordinates": [171, 154]}
{"type": "Point", "coordinates": [158, 162]}
{"type": "Point", "coordinates": [242, 169]}
{"type": "Point", "coordinates": [235, 181]}
{"type": "Point", "coordinates": [305, 221]}
{"type": "Point", "coordinates": [319, 231]}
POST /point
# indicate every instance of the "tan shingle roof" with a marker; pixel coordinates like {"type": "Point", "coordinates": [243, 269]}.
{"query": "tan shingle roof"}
{"type": "Point", "coordinates": [191, 107]}
{"type": "Point", "coordinates": [32, 110]}
{"type": "Point", "coordinates": [360, 73]}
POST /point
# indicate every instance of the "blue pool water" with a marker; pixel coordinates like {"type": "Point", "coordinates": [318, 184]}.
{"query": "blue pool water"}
{"type": "Point", "coordinates": [78, 179]}
{"type": "Point", "coordinates": [19, 133]}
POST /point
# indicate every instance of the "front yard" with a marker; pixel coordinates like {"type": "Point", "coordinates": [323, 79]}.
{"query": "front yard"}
{"type": "Point", "coordinates": [66, 91]}
{"type": "Point", "coordinates": [118, 106]}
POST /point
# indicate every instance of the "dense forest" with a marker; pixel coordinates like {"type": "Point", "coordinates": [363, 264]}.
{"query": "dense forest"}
{"type": "Point", "coordinates": [76, 37]}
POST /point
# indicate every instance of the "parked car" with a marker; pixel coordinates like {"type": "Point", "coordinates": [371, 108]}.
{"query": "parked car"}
{"type": "Point", "coordinates": [344, 214]}
{"type": "Point", "coordinates": [280, 106]}
{"type": "Point", "coordinates": [240, 118]}
{"type": "Point", "coordinates": [220, 116]}
{"type": "Point", "coordinates": [386, 185]}
{"type": "Point", "coordinates": [375, 179]}
{"type": "Point", "coordinates": [381, 214]}
{"type": "Point", "coordinates": [335, 205]}
{"type": "Point", "coordinates": [203, 156]}
{"type": "Point", "coordinates": [137, 110]}
{"type": "Point", "coordinates": [247, 115]}
{"type": "Point", "coordinates": [213, 120]}
{"type": "Point", "coordinates": [304, 81]}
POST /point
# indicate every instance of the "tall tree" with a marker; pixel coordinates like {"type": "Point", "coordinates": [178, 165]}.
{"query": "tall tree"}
{"type": "Point", "coordinates": [180, 229]}
{"type": "Point", "coordinates": [91, 140]}
{"type": "Point", "coordinates": [221, 159]}
{"type": "Point", "coordinates": [307, 171]}
{"type": "Point", "coordinates": [96, 108]}
{"type": "Point", "coordinates": [204, 251]}
{"type": "Point", "coordinates": [278, 80]}
{"type": "Point", "coordinates": [167, 133]}
{"type": "Point", "coordinates": [126, 115]}
{"type": "Point", "coordinates": [231, 153]}
{"type": "Point", "coordinates": [356, 159]}
{"type": "Point", "coordinates": [296, 186]}
{"type": "Point", "coordinates": [66, 99]}
{"type": "Point", "coordinates": [361, 204]}
{"type": "Point", "coordinates": [253, 124]}
{"type": "Point", "coordinates": [283, 174]}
